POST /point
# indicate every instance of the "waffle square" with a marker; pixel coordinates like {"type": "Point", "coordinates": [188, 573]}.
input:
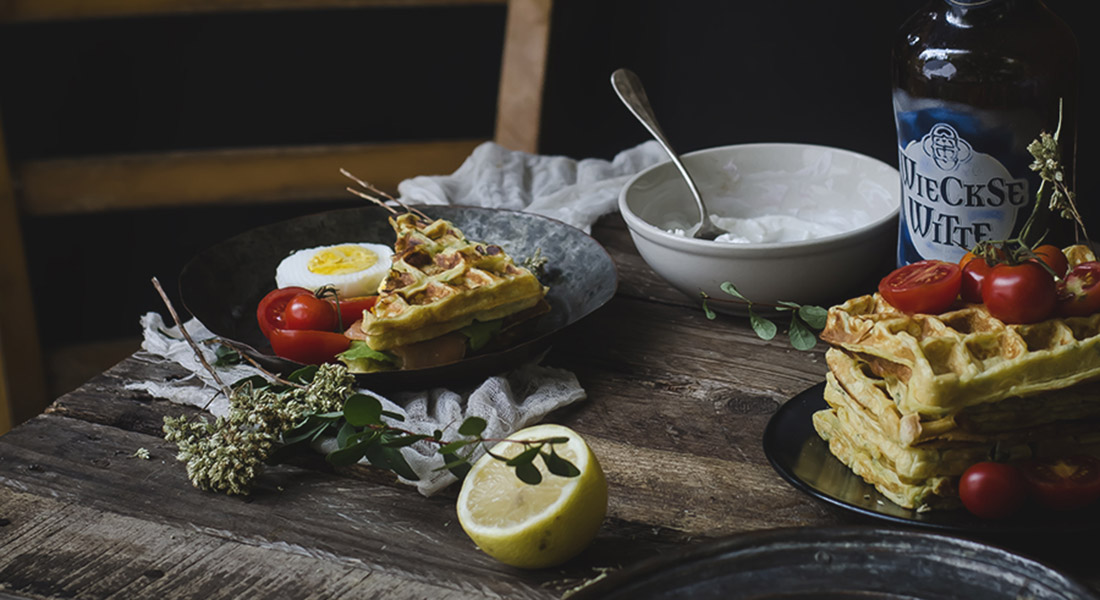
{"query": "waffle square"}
{"type": "Point", "coordinates": [933, 365]}
{"type": "Point", "coordinates": [440, 282]}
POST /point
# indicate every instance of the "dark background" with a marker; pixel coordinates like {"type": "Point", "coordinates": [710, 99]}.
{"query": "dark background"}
{"type": "Point", "coordinates": [717, 72]}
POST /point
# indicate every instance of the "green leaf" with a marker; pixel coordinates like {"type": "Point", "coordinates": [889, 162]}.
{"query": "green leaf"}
{"type": "Point", "coordinates": [398, 464]}
{"type": "Point", "coordinates": [472, 426]}
{"type": "Point", "coordinates": [527, 456]}
{"type": "Point", "coordinates": [362, 410]}
{"type": "Point", "coordinates": [707, 310]}
{"type": "Point", "coordinates": [358, 349]}
{"type": "Point", "coordinates": [301, 434]}
{"type": "Point", "coordinates": [350, 455]}
{"type": "Point", "coordinates": [558, 465]}
{"type": "Point", "coordinates": [556, 440]}
{"type": "Point", "coordinates": [303, 375]}
{"type": "Point", "coordinates": [225, 356]}
{"type": "Point", "coordinates": [347, 430]}
{"type": "Point", "coordinates": [478, 334]}
{"type": "Point", "coordinates": [784, 305]}
{"type": "Point", "coordinates": [814, 316]}
{"type": "Point", "coordinates": [732, 290]}
{"type": "Point", "coordinates": [394, 416]}
{"type": "Point", "coordinates": [258, 382]}
{"type": "Point", "coordinates": [459, 468]}
{"type": "Point", "coordinates": [764, 328]}
{"type": "Point", "coordinates": [801, 337]}
{"type": "Point", "coordinates": [528, 473]}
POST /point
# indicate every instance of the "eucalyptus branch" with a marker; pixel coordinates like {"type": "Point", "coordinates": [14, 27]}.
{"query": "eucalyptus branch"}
{"type": "Point", "coordinates": [804, 318]}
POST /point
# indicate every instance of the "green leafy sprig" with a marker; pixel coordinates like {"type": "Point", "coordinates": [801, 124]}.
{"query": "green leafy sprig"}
{"type": "Point", "coordinates": [805, 318]}
{"type": "Point", "coordinates": [270, 421]}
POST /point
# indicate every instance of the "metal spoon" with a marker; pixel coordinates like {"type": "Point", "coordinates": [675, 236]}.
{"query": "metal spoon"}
{"type": "Point", "coordinates": [630, 91]}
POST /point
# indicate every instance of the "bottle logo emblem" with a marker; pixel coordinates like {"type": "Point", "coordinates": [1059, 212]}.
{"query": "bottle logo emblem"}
{"type": "Point", "coordinates": [944, 146]}
{"type": "Point", "coordinates": [954, 196]}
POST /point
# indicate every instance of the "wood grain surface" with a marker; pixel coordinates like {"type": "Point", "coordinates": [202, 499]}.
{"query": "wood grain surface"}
{"type": "Point", "coordinates": [676, 409]}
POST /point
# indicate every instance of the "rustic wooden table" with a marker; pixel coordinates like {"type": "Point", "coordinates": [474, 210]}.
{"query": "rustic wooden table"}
{"type": "Point", "coordinates": [676, 408]}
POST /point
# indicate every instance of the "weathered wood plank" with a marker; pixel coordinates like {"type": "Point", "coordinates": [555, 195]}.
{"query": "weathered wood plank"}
{"type": "Point", "coordinates": [390, 530]}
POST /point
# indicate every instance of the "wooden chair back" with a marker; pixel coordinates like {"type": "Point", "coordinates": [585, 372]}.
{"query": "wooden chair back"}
{"type": "Point", "coordinates": [178, 179]}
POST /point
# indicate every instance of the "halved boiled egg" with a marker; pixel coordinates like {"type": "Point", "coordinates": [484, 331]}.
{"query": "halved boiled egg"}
{"type": "Point", "coordinates": [354, 269]}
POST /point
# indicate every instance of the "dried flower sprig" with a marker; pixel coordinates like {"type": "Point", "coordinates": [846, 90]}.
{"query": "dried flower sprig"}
{"type": "Point", "coordinates": [1048, 164]}
{"type": "Point", "coordinates": [269, 421]}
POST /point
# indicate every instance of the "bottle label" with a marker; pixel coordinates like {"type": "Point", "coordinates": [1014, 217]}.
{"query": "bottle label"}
{"type": "Point", "coordinates": [953, 195]}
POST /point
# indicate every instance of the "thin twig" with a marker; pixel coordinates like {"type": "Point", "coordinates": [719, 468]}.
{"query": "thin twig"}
{"type": "Point", "coordinates": [272, 376]}
{"type": "Point", "coordinates": [384, 196]}
{"type": "Point", "coordinates": [377, 201]}
{"type": "Point", "coordinates": [187, 336]}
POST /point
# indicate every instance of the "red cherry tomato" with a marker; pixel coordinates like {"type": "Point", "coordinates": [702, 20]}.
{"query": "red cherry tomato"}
{"type": "Point", "coordinates": [351, 309]}
{"type": "Point", "coordinates": [307, 346]}
{"type": "Point", "coordinates": [1023, 293]}
{"type": "Point", "coordinates": [1054, 258]}
{"type": "Point", "coordinates": [992, 490]}
{"type": "Point", "coordinates": [928, 286]}
{"type": "Point", "coordinates": [974, 273]}
{"type": "Point", "coordinates": [306, 311]}
{"type": "Point", "coordinates": [1079, 291]}
{"type": "Point", "coordinates": [270, 310]}
{"type": "Point", "coordinates": [1065, 483]}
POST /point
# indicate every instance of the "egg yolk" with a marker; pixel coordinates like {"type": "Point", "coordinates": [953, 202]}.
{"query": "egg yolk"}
{"type": "Point", "coordinates": [340, 260]}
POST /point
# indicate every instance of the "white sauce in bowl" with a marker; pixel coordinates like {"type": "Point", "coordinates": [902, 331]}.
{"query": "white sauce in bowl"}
{"type": "Point", "coordinates": [815, 201]}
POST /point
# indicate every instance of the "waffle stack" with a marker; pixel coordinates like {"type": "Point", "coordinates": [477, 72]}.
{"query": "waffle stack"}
{"type": "Point", "coordinates": [441, 282]}
{"type": "Point", "coordinates": [914, 400]}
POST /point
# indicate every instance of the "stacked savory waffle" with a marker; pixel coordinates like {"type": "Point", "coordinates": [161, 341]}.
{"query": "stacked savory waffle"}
{"type": "Point", "coordinates": [914, 400]}
{"type": "Point", "coordinates": [439, 283]}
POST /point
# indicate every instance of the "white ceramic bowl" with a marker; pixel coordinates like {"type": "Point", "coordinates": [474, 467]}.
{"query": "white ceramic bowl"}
{"type": "Point", "coordinates": [856, 194]}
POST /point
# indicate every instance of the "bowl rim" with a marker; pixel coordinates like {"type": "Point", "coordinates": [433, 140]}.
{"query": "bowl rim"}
{"type": "Point", "coordinates": [655, 234]}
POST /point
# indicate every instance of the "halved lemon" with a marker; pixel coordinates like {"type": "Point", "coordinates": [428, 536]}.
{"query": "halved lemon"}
{"type": "Point", "coordinates": [534, 526]}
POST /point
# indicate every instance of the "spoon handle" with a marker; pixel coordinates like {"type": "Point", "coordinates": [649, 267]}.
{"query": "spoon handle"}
{"type": "Point", "coordinates": [632, 93]}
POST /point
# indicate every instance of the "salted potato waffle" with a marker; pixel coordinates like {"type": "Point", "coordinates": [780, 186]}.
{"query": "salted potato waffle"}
{"type": "Point", "coordinates": [916, 463]}
{"type": "Point", "coordinates": [935, 365]}
{"type": "Point", "coordinates": [1012, 418]}
{"type": "Point", "coordinates": [440, 282]}
{"type": "Point", "coordinates": [850, 449]}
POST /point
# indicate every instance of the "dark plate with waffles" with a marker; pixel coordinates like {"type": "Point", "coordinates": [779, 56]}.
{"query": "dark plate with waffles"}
{"type": "Point", "coordinates": [222, 285]}
{"type": "Point", "coordinates": [801, 457]}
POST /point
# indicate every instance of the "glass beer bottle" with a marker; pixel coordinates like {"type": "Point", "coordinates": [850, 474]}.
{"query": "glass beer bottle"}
{"type": "Point", "coordinates": [975, 81]}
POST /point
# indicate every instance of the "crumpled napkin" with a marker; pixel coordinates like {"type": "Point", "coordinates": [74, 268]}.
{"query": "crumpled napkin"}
{"type": "Point", "coordinates": [571, 191]}
{"type": "Point", "coordinates": [574, 192]}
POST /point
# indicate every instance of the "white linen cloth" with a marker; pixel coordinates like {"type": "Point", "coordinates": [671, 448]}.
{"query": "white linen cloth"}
{"type": "Point", "coordinates": [571, 191]}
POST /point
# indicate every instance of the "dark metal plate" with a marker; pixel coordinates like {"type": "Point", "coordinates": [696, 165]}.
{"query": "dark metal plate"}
{"type": "Point", "coordinates": [833, 563]}
{"type": "Point", "coordinates": [222, 285]}
{"type": "Point", "coordinates": [801, 457]}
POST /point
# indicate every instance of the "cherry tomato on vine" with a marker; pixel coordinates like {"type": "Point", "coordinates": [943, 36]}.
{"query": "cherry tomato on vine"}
{"type": "Point", "coordinates": [308, 346]}
{"type": "Point", "coordinates": [1065, 483]}
{"type": "Point", "coordinates": [974, 273]}
{"type": "Point", "coordinates": [1054, 258]}
{"type": "Point", "coordinates": [1079, 291]}
{"type": "Point", "coordinates": [351, 309]}
{"type": "Point", "coordinates": [1023, 293]}
{"type": "Point", "coordinates": [992, 490]}
{"type": "Point", "coordinates": [928, 286]}
{"type": "Point", "coordinates": [270, 310]}
{"type": "Point", "coordinates": [306, 311]}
